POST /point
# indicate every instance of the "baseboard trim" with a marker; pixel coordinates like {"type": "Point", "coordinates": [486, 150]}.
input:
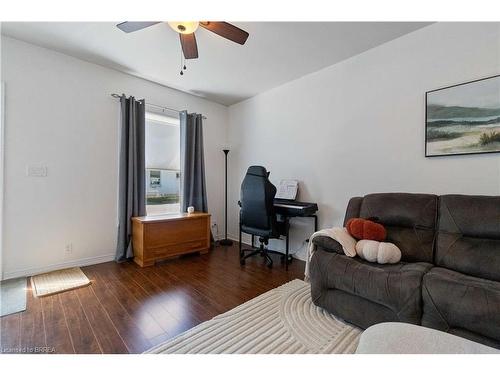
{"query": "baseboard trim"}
{"type": "Point", "coordinates": [58, 266]}
{"type": "Point", "coordinates": [243, 240]}
{"type": "Point", "coordinates": [247, 240]}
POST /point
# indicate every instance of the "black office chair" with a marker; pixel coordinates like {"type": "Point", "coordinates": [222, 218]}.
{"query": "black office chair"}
{"type": "Point", "coordinates": [257, 215]}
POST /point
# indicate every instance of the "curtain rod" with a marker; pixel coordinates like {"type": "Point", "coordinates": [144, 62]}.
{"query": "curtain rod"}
{"type": "Point", "coordinates": [117, 96]}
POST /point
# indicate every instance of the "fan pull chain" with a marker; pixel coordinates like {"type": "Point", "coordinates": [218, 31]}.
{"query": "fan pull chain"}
{"type": "Point", "coordinates": [183, 64]}
{"type": "Point", "coordinates": [181, 72]}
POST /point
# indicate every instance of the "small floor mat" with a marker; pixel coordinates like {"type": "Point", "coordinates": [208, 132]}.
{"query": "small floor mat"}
{"type": "Point", "coordinates": [58, 281]}
{"type": "Point", "coordinates": [12, 296]}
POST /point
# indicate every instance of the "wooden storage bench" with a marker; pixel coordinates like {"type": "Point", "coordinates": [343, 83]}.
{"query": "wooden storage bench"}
{"type": "Point", "coordinates": [160, 237]}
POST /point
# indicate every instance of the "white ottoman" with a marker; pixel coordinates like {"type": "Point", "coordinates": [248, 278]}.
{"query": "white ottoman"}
{"type": "Point", "coordinates": [403, 338]}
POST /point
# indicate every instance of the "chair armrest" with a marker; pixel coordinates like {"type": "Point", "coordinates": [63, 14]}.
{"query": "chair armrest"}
{"type": "Point", "coordinates": [328, 244]}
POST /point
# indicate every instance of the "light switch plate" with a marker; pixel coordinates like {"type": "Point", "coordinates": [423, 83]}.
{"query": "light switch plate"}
{"type": "Point", "coordinates": [36, 171]}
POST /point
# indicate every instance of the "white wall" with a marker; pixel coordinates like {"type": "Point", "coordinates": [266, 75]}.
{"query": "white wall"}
{"type": "Point", "coordinates": [59, 113]}
{"type": "Point", "coordinates": [357, 127]}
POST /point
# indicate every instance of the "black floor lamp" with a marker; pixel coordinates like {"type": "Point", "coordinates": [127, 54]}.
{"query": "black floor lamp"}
{"type": "Point", "coordinates": [225, 241]}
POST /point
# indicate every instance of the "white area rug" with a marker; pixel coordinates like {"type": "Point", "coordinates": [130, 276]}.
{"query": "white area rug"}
{"type": "Point", "coordinates": [58, 281]}
{"type": "Point", "coordinates": [283, 320]}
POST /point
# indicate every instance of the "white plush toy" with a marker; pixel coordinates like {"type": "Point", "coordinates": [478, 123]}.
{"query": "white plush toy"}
{"type": "Point", "coordinates": [379, 252]}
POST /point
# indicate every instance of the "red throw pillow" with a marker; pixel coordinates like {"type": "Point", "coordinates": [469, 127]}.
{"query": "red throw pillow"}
{"type": "Point", "coordinates": [363, 229]}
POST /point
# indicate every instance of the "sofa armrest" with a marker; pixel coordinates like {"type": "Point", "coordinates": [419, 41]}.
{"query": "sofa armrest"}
{"type": "Point", "coordinates": [328, 244]}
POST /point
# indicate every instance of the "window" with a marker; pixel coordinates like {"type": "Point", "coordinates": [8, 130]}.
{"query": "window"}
{"type": "Point", "coordinates": [163, 173]}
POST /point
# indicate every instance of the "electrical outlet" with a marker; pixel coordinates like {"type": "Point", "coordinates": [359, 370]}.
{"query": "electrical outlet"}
{"type": "Point", "coordinates": [215, 228]}
{"type": "Point", "coordinates": [68, 248]}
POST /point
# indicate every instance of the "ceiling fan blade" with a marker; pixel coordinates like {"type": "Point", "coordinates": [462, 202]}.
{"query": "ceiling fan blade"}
{"type": "Point", "coordinates": [130, 27]}
{"type": "Point", "coordinates": [189, 46]}
{"type": "Point", "coordinates": [226, 30]}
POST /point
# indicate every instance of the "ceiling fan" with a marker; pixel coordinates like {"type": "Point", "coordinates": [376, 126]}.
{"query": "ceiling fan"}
{"type": "Point", "coordinates": [186, 32]}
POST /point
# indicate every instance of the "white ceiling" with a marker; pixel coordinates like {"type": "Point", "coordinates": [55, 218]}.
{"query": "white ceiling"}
{"type": "Point", "coordinates": [275, 52]}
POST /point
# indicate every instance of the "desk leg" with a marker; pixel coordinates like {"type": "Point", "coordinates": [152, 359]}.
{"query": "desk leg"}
{"type": "Point", "coordinates": [239, 244]}
{"type": "Point", "coordinates": [287, 226]}
{"type": "Point", "coordinates": [253, 240]}
{"type": "Point", "coordinates": [315, 223]}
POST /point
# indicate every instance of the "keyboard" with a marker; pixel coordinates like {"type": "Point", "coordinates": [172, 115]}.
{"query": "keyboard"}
{"type": "Point", "coordinates": [294, 208]}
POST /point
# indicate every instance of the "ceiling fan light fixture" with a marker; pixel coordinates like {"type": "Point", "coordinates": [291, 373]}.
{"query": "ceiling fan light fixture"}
{"type": "Point", "coordinates": [184, 27]}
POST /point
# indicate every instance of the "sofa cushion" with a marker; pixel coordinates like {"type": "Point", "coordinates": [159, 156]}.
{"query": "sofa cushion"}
{"type": "Point", "coordinates": [468, 238]}
{"type": "Point", "coordinates": [353, 208]}
{"type": "Point", "coordinates": [460, 304]}
{"type": "Point", "coordinates": [395, 286]}
{"type": "Point", "coordinates": [410, 221]}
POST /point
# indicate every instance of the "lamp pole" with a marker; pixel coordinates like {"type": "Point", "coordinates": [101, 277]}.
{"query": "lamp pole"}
{"type": "Point", "coordinates": [225, 241]}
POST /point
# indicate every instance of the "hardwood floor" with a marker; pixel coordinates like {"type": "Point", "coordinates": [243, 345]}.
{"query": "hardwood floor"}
{"type": "Point", "coordinates": [128, 309]}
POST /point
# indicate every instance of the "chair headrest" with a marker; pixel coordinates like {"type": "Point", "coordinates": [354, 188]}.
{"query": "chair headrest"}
{"type": "Point", "coordinates": [257, 170]}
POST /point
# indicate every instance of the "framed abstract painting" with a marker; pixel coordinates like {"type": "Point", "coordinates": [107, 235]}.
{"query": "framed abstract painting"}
{"type": "Point", "coordinates": [463, 119]}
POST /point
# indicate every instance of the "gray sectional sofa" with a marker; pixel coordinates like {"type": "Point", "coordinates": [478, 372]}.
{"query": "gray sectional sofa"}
{"type": "Point", "coordinates": [449, 275]}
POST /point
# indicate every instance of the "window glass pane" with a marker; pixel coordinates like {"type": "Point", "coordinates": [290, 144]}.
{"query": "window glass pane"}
{"type": "Point", "coordinates": [162, 164]}
{"type": "Point", "coordinates": [163, 188]}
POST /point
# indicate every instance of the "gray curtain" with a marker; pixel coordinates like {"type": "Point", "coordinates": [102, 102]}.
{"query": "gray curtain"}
{"type": "Point", "coordinates": [193, 186]}
{"type": "Point", "coordinates": [132, 170]}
